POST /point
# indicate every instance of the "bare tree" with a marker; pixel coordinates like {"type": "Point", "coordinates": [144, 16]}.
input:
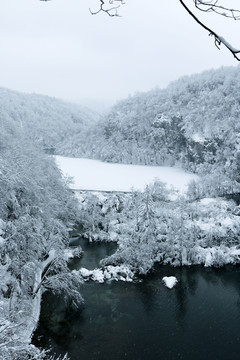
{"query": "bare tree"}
{"type": "Point", "coordinates": [111, 7]}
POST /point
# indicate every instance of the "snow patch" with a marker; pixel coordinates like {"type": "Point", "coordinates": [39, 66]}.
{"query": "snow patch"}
{"type": "Point", "coordinates": [198, 138]}
{"type": "Point", "coordinates": [2, 241]}
{"type": "Point", "coordinates": [207, 201]}
{"type": "Point", "coordinates": [68, 254]}
{"type": "Point", "coordinates": [170, 281]}
{"type": "Point", "coordinates": [113, 236]}
{"type": "Point", "coordinates": [227, 222]}
{"type": "Point", "coordinates": [2, 226]}
{"type": "Point", "coordinates": [122, 273]}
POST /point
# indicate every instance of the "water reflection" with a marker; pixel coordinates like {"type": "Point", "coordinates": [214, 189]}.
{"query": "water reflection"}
{"type": "Point", "coordinates": [198, 319]}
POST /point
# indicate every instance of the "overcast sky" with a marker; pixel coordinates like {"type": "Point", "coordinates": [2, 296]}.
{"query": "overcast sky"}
{"type": "Point", "coordinates": [57, 48]}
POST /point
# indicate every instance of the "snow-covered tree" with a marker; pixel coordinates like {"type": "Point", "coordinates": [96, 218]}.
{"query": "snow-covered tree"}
{"type": "Point", "coordinates": [37, 212]}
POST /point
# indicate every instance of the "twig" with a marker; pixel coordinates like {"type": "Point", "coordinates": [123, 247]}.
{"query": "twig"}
{"type": "Point", "coordinates": [109, 10]}
{"type": "Point", "coordinates": [212, 6]}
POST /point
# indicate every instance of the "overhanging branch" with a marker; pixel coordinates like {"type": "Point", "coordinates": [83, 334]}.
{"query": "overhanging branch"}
{"type": "Point", "coordinates": [218, 40]}
{"type": "Point", "coordinates": [202, 5]}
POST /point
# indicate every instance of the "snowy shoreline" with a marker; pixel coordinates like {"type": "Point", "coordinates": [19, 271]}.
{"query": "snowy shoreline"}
{"type": "Point", "coordinates": [204, 257]}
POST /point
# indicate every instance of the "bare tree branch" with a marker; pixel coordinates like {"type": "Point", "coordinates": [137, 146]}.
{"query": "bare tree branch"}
{"type": "Point", "coordinates": [218, 40]}
{"type": "Point", "coordinates": [112, 11]}
{"type": "Point", "coordinates": [214, 6]}
{"type": "Point", "coordinates": [206, 6]}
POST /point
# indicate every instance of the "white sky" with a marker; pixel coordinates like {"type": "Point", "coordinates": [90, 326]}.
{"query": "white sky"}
{"type": "Point", "coordinates": [57, 48]}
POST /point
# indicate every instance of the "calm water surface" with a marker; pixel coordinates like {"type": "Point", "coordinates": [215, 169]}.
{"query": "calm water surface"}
{"type": "Point", "coordinates": [198, 319]}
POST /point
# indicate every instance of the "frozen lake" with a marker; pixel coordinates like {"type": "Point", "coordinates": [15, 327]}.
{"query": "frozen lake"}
{"type": "Point", "coordinates": [96, 175]}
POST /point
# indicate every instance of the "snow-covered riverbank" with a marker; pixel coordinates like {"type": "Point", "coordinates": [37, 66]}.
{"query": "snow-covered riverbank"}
{"type": "Point", "coordinates": [147, 227]}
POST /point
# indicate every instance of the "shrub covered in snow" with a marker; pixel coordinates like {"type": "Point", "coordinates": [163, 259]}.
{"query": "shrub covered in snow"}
{"type": "Point", "coordinates": [122, 273]}
{"type": "Point", "coordinates": [149, 228]}
{"type": "Point", "coordinates": [36, 213]}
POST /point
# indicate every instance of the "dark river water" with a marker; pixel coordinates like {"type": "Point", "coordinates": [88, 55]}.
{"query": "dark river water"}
{"type": "Point", "coordinates": [198, 319]}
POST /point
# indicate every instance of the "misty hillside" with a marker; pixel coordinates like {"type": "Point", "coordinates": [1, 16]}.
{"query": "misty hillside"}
{"type": "Point", "coordinates": [45, 120]}
{"type": "Point", "coordinates": [194, 121]}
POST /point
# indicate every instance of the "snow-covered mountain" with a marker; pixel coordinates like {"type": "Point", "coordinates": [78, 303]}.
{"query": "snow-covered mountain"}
{"type": "Point", "coordinates": [46, 120]}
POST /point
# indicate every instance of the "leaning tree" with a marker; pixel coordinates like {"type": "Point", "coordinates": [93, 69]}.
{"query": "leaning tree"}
{"type": "Point", "coordinates": [111, 8]}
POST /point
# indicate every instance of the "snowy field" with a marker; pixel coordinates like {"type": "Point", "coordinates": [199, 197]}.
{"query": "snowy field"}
{"type": "Point", "coordinates": [99, 176]}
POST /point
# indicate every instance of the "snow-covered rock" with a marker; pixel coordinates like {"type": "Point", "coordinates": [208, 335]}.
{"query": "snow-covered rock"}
{"type": "Point", "coordinates": [85, 272]}
{"type": "Point", "coordinates": [170, 281]}
{"type": "Point", "coordinates": [98, 275]}
{"type": "Point", "coordinates": [94, 275]}
{"type": "Point", "coordinates": [73, 253]}
{"type": "Point", "coordinates": [122, 273]}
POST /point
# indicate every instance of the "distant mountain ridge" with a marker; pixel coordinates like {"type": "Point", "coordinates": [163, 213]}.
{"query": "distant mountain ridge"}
{"type": "Point", "coordinates": [46, 120]}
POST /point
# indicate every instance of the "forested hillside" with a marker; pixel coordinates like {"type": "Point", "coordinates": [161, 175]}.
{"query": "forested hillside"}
{"type": "Point", "coordinates": [37, 211]}
{"type": "Point", "coordinates": [193, 123]}
{"type": "Point", "coordinates": [47, 121]}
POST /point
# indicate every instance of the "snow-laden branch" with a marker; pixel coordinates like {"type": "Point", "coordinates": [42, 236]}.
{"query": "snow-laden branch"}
{"type": "Point", "coordinates": [44, 269]}
{"type": "Point", "coordinates": [218, 40]}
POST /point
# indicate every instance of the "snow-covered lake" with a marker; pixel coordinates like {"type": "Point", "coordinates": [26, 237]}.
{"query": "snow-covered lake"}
{"type": "Point", "coordinates": [99, 176]}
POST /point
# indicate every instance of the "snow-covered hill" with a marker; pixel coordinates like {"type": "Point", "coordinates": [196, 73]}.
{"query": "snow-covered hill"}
{"type": "Point", "coordinates": [46, 120]}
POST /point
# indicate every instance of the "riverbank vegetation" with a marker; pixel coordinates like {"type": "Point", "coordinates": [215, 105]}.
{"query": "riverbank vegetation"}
{"type": "Point", "coordinates": [37, 212]}
{"type": "Point", "coordinates": [151, 228]}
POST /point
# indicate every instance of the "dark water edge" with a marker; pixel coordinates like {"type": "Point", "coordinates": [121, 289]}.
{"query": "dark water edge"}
{"type": "Point", "coordinates": [198, 319]}
{"type": "Point", "coordinates": [93, 253]}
